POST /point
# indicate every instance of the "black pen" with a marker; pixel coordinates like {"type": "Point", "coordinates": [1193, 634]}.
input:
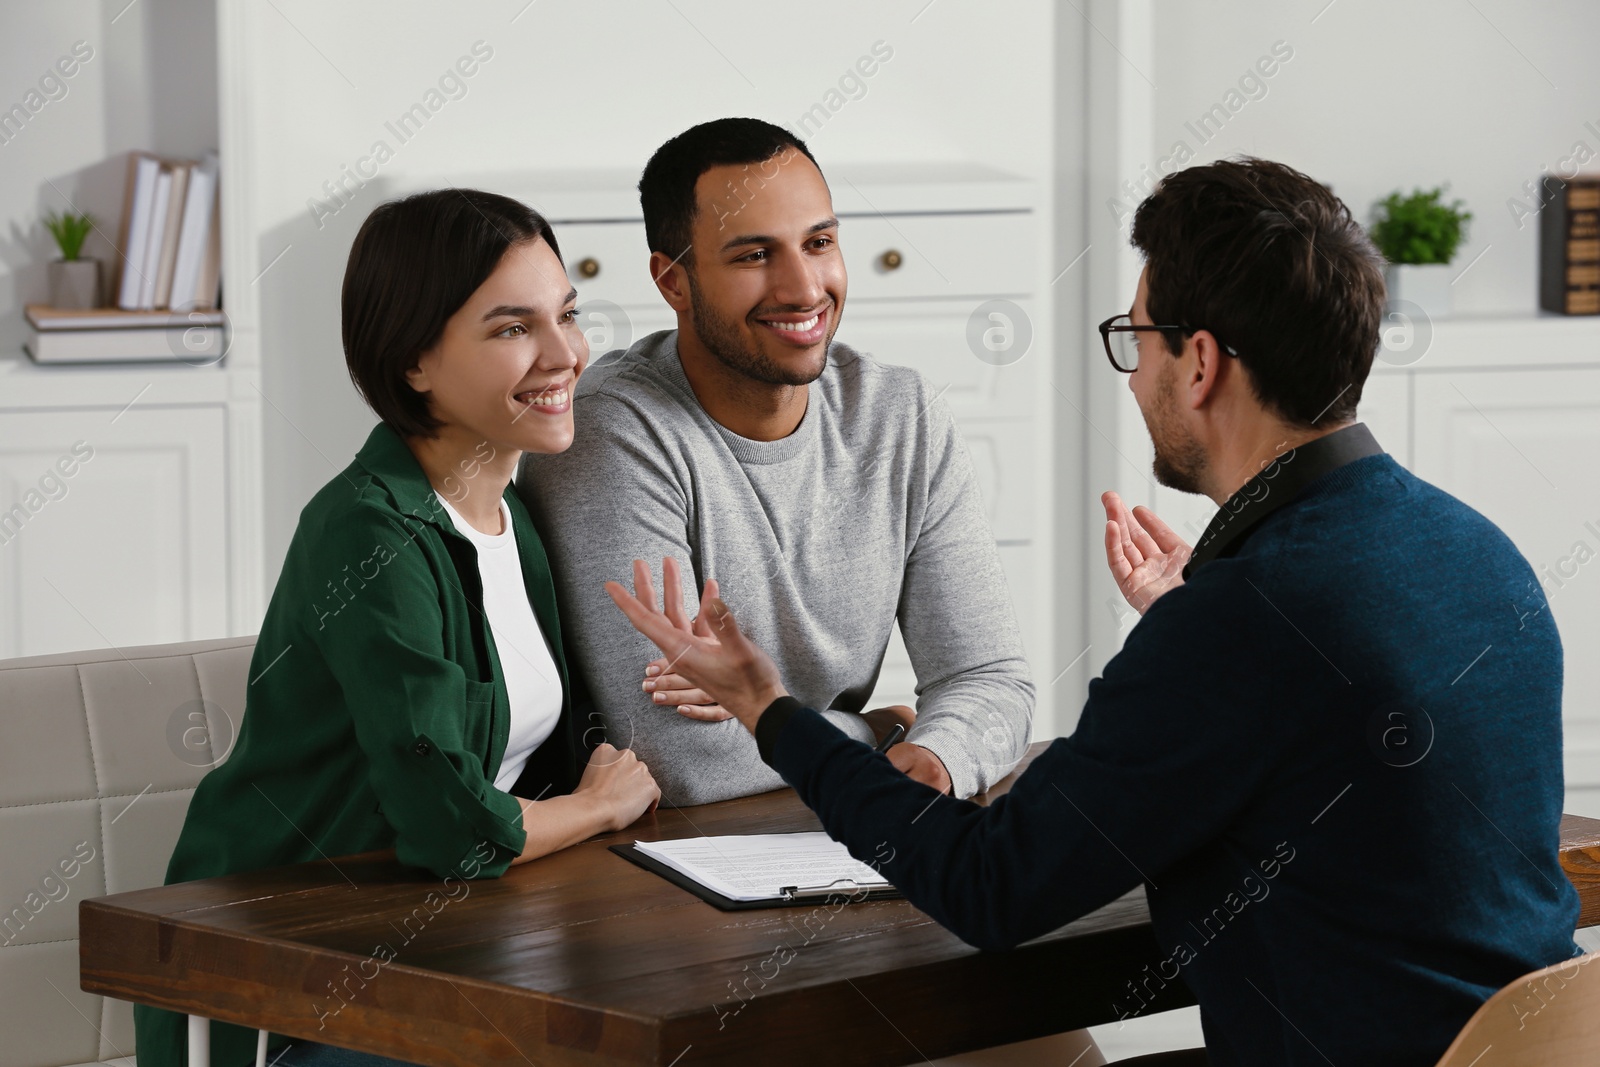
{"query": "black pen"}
{"type": "Point", "coordinates": [896, 732]}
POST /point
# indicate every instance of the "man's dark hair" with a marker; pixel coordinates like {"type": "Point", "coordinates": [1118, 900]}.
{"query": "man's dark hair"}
{"type": "Point", "coordinates": [1273, 264]}
{"type": "Point", "coordinates": [413, 264]}
{"type": "Point", "coordinates": [666, 189]}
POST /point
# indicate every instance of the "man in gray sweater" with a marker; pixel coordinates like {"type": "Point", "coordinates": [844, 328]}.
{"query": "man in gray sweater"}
{"type": "Point", "coordinates": [828, 494]}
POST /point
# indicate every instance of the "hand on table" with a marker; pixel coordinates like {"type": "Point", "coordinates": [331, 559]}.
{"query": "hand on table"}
{"type": "Point", "coordinates": [1146, 557]}
{"type": "Point", "coordinates": [620, 783]}
{"type": "Point", "coordinates": [910, 758]}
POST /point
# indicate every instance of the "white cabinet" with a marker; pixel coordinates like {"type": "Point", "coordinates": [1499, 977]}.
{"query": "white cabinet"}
{"type": "Point", "coordinates": [608, 263]}
{"type": "Point", "coordinates": [115, 531]}
{"type": "Point", "coordinates": [1385, 407]}
{"type": "Point", "coordinates": [931, 335]}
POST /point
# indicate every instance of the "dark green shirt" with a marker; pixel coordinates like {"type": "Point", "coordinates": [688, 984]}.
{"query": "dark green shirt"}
{"type": "Point", "coordinates": [376, 714]}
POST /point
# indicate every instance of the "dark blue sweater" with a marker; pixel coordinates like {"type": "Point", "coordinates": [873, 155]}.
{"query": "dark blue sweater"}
{"type": "Point", "coordinates": [1333, 758]}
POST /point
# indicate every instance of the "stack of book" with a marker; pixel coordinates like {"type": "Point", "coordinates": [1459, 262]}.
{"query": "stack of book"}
{"type": "Point", "coordinates": [1569, 246]}
{"type": "Point", "coordinates": [171, 245]}
{"type": "Point", "coordinates": [111, 335]}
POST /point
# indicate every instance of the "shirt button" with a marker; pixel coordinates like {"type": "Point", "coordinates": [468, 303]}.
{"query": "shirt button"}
{"type": "Point", "coordinates": [421, 748]}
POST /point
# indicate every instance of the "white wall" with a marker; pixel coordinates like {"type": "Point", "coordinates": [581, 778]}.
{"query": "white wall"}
{"type": "Point", "coordinates": [70, 151]}
{"type": "Point", "coordinates": [594, 85]}
{"type": "Point", "coordinates": [1382, 95]}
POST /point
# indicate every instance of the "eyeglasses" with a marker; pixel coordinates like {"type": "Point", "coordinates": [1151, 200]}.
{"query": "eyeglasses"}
{"type": "Point", "coordinates": [1121, 338]}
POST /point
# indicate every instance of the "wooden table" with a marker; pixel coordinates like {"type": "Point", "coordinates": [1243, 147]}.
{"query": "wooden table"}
{"type": "Point", "coordinates": [585, 958]}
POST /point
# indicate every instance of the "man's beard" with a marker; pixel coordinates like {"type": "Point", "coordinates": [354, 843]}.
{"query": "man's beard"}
{"type": "Point", "coordinates": [723, 340]}
{"type": "Point", "coordinates": [1180, 462]}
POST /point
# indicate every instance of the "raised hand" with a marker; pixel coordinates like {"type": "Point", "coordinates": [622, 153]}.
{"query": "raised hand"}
{"type": "Point", "coordinates": [668, 688]}
{"type": "Point", "coordinates": [1145, 556]}
{"type": "Point", "coordinates": [711, 653]}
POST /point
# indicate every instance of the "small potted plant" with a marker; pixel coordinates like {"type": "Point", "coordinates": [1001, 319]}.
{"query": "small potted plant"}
{"type": "Point", "coordinates": [1419, 235]}
{"type": "Point", "coordinates": [74, 281]}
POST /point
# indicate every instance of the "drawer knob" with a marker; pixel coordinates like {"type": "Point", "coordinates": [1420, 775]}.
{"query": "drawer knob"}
{"type": "Point", "coordinates": [891, 259]}
{"type": "Point", "coordinates": [589, 267]}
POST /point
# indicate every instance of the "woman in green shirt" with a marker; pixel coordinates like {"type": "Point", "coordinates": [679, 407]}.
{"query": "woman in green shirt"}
{"type": "Point", "coordinates": [397, 698]}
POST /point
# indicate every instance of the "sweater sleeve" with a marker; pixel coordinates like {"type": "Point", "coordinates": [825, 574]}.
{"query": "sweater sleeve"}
{"type": "Point", "coordinates": [1156, 767]}
{"type": "Point", "coordinates": [975, 693]}
{"type": "Point", "coordinates": [409, 701]}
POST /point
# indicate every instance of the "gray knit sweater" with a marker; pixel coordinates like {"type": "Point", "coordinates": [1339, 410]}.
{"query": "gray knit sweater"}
{"type": "Point", "coordinates": [867, 513]}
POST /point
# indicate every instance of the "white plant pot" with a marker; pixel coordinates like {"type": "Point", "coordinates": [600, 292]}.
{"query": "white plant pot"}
{"type": "Point", "coordinates": [1427, 285]}
{"type": "Point", "coordinates": [75, 284]}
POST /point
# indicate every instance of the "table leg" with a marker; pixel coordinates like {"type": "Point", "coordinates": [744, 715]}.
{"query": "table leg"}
{"type": "Point", "coordinates": [261, 1048]}
{"type": "Point", "coordinates": [199, 1041]}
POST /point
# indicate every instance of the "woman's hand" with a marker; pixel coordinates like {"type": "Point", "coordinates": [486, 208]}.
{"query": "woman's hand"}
{"type": "Point", "coordinates": [1146, 558]}
{"type": "Point", "coordinates": [711, 653]}
{"type": "Point", "coordinates": [619, 783]}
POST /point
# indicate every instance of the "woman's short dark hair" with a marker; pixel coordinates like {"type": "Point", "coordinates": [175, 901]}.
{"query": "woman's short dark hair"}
{"type": "Point", "coordinates": [666, 189]}
{"type": "Point", "coordinates": [1273, 264]}
{"type": "Point", "coordinates": [414, 263]}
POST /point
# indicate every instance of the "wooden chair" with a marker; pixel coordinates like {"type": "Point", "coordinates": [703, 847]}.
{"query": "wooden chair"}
{"type": "Point", "coordinates": [1550, 1018]}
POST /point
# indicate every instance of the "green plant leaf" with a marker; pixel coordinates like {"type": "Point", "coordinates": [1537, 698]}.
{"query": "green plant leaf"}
{"type": "Point", "coordinates": [70, 231]}
{"type": "Point", "coordinates": [1420, 228]}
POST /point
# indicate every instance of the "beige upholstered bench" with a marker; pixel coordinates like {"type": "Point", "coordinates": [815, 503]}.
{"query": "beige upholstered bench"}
{"type": "Point", "coordinates": [99, 755]}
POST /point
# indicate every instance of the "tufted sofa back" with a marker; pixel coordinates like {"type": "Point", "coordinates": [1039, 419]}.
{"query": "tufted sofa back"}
{"type": "Point", "coordinates": [99, 755]}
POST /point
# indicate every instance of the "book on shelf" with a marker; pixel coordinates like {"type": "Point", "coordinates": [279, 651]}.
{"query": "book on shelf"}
{"type": "Point", "coordinates": [113, 335]}
{"type": "Point", "coordinates": [170, 241]}
{"type": "Point", "coordinates": [137, 207]}
{"type": "Point", "coordinates": [1569, 246]}
{"type": "Point", "coordinates": [169, 237]}
{"type": "Point", "coordinates": [199, 249]}
{"type": "Point", "coordinates": [150, 262]}
{"type": "Point", "coordinates": [45, 318]}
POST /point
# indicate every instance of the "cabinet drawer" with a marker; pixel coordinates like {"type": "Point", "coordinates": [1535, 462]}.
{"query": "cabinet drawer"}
{"type": "Point", "coordinates": [1002, 452]}
{"type": "Point", "coordinates": [939, 255]}
{"type": "Point", "coordinates": [620, 257]}
{"type": "Point", "coordinates": [609, 327]}
{"type": "Point", "coordinates": [932, 337]}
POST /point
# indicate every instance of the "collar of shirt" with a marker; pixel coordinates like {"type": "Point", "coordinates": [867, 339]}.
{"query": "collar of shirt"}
{"type": "Point", "coordinates": [1277, 484]}
{"type": "Point", "coordinates": [386, 457]}
{"type": "Point", "coordinates": [389, 460]}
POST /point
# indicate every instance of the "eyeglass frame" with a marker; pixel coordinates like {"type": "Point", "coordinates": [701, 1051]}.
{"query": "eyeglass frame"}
{"type": "Point", "coordinates": [1107, 329]}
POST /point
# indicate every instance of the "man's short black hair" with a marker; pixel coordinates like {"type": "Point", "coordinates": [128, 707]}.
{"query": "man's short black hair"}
{"type": "Point", "coordinates": [1273, 264]}
{"type": "Point", "coordinates": [666, 189]}
{"type": "Point", "coordinates": [413, 264]}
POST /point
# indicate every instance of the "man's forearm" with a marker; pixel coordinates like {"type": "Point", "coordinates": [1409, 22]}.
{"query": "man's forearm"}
{"type": "Point", "coordinates": [991, 875]}
{"type": "Point", "coordinates": [851, 724]}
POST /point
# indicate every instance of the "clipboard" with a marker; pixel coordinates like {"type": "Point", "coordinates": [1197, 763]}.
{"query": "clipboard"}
{"type": "Point", "coordinates": [792, 896]}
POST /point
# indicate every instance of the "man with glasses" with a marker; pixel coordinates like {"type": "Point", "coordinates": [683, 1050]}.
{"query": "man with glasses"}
{"type": "Point", "coordinates": [1330, 750]}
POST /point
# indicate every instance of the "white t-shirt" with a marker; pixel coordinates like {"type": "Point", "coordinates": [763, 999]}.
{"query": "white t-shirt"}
{"type": "Point", "coordinates": [533, 683]}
